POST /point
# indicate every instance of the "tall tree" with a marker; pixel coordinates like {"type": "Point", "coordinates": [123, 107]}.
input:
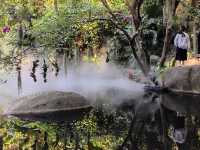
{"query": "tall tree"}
{"type": "Point", "coordinates": [134, 38]}
{"type": "Point", "coordinates": [170, 7]}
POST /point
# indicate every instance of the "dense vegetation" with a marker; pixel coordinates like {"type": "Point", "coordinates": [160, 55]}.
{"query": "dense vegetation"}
{"type": "Point", "coordinates": [124, 33]}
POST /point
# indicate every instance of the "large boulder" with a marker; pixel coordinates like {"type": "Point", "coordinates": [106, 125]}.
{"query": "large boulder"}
{"type": "Point", "coordinates": [181, 102]}
{"type": "Point", "coordinates": [183, 79]}
{"type": "Point", "coordinates": [50, 106]}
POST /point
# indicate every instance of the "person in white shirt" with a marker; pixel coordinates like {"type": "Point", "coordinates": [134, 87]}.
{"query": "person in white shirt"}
{"type": "Point", "coordinates": [182, 44]}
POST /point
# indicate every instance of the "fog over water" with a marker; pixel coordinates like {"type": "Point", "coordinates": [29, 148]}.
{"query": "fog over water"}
{"type": "Point", "coordinates": [105, 81]}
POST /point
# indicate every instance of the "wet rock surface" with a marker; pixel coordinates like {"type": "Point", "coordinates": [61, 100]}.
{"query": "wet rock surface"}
{"type": "Point", "coordinates": [183, 103]}
{"type": "Point", "coordinates": [183, 79]}
{"type": "Point", "coordinates": [50, 106]}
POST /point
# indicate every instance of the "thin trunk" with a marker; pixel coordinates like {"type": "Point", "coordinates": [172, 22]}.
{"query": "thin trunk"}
{"type": "Point", "coordinates": [77, 56]}
{"type": "Point", "coordinates": [56, 6]}
{"type": "Point", "coordinates": [1, 142]}
{"type": "Point", "coordinates": [166, 47]}
{"type": "Point", "coordinates": [129, 136]}
{"type": "Point", "coordinates": [168, 22]}
{"type": "Point", "coordinates": [134, 39]}
{"type": "Point", "coordinates": [141, 65]}
{"type": "Point", "coordinates": [164, 128]}
{"type": "Point", "coordinates": [134, 8]}
{"type": "Point", "coordinates": [77, 140]}
{"type": "Point", "coordinates": [90, 52]}
{"type": "Point", "coordinates": [46, 146]}
{"type": "Point", "coordinates": [20, 35]}
{"type": "Point", "coordinates": [65, 62]}
{"type": "Point", "coordinates": [168, 14]}
{"type": "Point", "coordinates": [195, 47]}
{"type": "Point", "coordinates": [132, 45]}
{"type": "Point", "coordinates": [65, 138]}
{"type": "Point", "coordinates": [19, 80]}
{"type": "Point", "coordinates": [142, 53]}
{"type": "Point", "coordinates": [34, 146]}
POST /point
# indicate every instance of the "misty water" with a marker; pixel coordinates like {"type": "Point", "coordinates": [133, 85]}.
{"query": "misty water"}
{"type": "Point", "coordinates": [153, 121]}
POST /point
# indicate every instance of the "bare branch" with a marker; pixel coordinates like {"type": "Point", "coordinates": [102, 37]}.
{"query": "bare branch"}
{"type": "Point", "coordinates": [168, 31]}
{"type": "Point", "coordinates": [105, 3]}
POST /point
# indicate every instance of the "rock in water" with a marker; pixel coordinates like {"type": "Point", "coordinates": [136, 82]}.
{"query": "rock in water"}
{"type": "Point", "coordinates": [183, 79]}
{"type": "Point", "coordinates": [181, 102]}
{"type": "Point", "coordinates": [50, 106]}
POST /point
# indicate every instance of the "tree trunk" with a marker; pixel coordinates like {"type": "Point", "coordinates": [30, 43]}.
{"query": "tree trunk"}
{"type": "Point", "coordinates": [19, 80]}
{"type": "Point", "coordinates": [20, 35]}
{"type": "Point", "coordinates": [134, 8]}
{"type": "Point", "coordinates": [46, 146]}
{"type": "Point", "coordinates": [166, 46]}
{"type": "Point", "coordinates": [1, 142]}
{"type": "Point", "coordinates": [90, 52]}
{"type": "Point", "coordinates": [194, 43]}
{"type": "Point", "coordinates": [77, 56]}
{"type": "Point", "coordinates": [142, 54]}
{"type": "Point", "coordinates": [168, 14]}
{"type": "Point", "coordinates": [135, 39]}
{"type": "Point", "coordinates": [65, 62]}
{"type": "Point", "coordinates": [56, 6]}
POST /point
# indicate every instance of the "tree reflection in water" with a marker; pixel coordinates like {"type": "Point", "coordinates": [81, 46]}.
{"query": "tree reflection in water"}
{"type": "Point", "coordinates": [169, 126]}
{"type": "Point", "coordinates": [45, 68]}
{"type": "Point", "coordinates": [35, 65]}
{"type": "Point", "coordinates": [152, 119]}
{"type": "Point", "coordinates": [19, 79]}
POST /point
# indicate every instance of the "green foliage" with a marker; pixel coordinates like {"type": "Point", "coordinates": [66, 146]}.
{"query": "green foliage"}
{"type": "Point", "coordinates": [119, 51]}
{"type": "Point", "coordinates": [192, 11]}
{"type": "Point", "coordinates": [87, 125]}
{"type": "Point", "coordinates": [92, 134]}
{"type": "Point", "coordinates": [105, 143]}
{"type": "Point", "coordinates": [71, 28]}
{"type": "Point", "coordinates": [152, 8]}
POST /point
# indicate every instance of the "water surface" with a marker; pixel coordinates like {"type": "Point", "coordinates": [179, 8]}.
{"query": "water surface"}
{"type": "Point", "coordinates": [145, 120]}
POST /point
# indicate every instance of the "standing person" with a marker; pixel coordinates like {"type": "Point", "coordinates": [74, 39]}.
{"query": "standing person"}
{"type": "Point", "coordinates": [182, 44]}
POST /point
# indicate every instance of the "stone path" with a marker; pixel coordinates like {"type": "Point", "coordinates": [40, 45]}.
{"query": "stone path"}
{"type": "Point", "coordinates": [193, 60]}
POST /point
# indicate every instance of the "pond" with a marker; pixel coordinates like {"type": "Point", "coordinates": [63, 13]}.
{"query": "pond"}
{"type": "Point", "coordinates": [124, 115]}
{"type": "Point", "coordinates": [166, 121]}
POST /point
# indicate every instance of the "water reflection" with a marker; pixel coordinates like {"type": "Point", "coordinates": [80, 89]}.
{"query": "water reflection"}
{"type": "Point", "coordinates": [155, 122]}
{"type": "Point", "coordinates": [45, 68]}
{"type": "Point", "coordinates": [19, 79]}
{"type": "Point", "coordinates": [35, 65]}
{"type": "Point", "coordinates": [56, 68]}
{"type": "Point", "coordinates": [166, 121]}
{"type": "Point", "coordinates": [178, 130]}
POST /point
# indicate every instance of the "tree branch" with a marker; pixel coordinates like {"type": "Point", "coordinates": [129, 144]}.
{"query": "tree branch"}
{"type": "Point", "coordinates": [168, 31]}
{"type": "Point", "coordinates": [104, 2]}
{"type": "Point", "coordinates": [134, 7]}
{"type": "Point", "coordinates": [130, 39]}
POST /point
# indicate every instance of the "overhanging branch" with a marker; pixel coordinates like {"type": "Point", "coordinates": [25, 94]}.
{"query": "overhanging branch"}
{"type": "Point", "coordinates": [130, 39]}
